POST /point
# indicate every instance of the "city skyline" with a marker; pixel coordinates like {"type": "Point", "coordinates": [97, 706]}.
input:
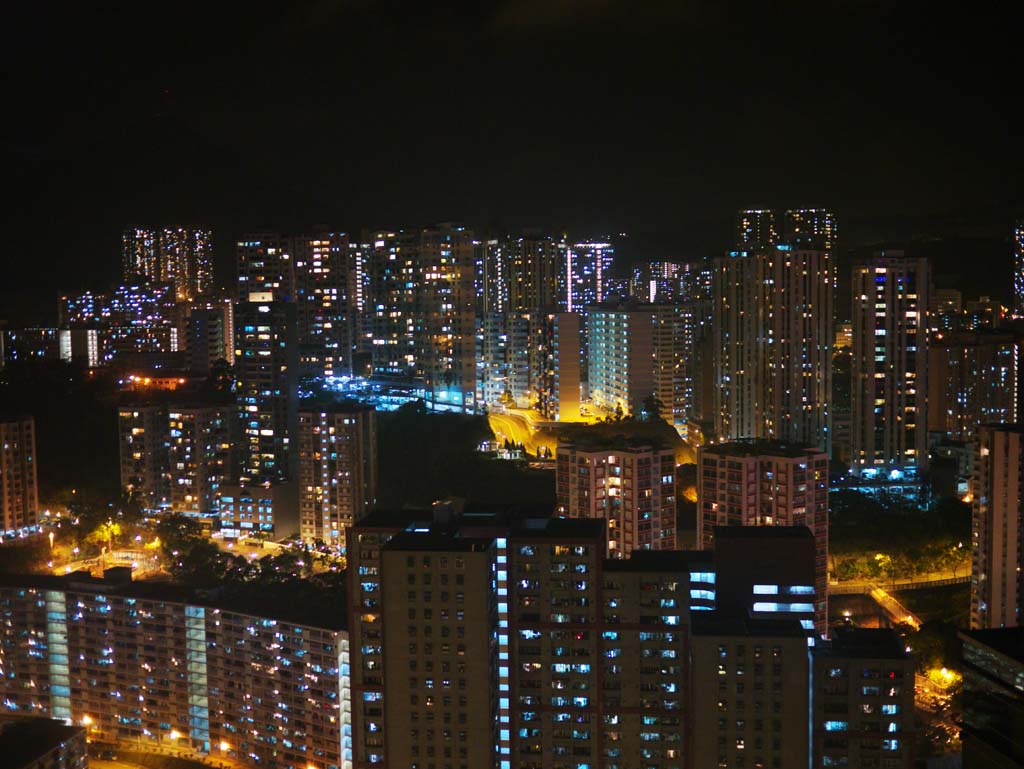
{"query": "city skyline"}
{"type": "Point", "coordinates": [183, 144]}
{"type": "Point", "coordinates": [537, 384]}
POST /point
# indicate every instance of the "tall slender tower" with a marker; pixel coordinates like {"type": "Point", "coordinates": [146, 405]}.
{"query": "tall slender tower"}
{"type": "Point", "coordinates": [810, 228]}
{"type": "Point", "coordinates": [337, 470]}
{"type": "Point", "coordinates": [889, 428]}
{"type": "Point", "coordinates": [186, 261]}
{"type": "Point", "coordinates": [139, 254]}
{"type": "Point", "coordinates": [755, 227]}
{"type": "Point", "coordinates": [772, 321]}
{"type": "Point", "coordinates": [266, 362]}
{"type": "Point", "coordinates": [326, 326]}
{"type": "Point", "coordinates": [1018, 266]}
{"type": "Point", "coordinates": [19, 494]}
{"type": "Point", "coordinates": [997, 579]}
{"type": "Point", "coordinates": [424, 320]}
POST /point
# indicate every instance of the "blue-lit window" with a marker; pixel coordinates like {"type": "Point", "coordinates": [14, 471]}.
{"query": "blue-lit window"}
{"type": "Point", "coordinates": [766, 589]}
{"type": "Point", "coordinates": [836, 726]}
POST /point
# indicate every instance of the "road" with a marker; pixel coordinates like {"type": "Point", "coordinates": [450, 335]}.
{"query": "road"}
{"type": "Point", "coordinates": [518, 428]}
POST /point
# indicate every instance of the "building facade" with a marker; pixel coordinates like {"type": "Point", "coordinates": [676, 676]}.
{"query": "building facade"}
{"type": "Point", "coordinates": [772, 331]}
{"type": "Point", "coordinates": [636, 353]}
{"type": "Point", "coordinates": [152, 668]}
{"type": "Point", "coordinates": [752, 675]}
{"type": "Point", "coordinates": [201, 455]}
{"type": "Point", "coordinates": [889, 372]}
{"type": "Point", "coordinates": [424, 324]}
{"type": "Point", "coordinates": [266, 363]}
{"type": "Point", "coordinates": [144, 442]}
{"type": "Point", "coordinates": [763, 484]}
{"type": "Point", "coordinates": [997, 489]}
{"type": "Point", "coordinates": [489, 642]}
{"type": "Point", "coordinates": [632, 488]}
{"type": "Point", "coordinates": [863, 700]}
{"type": "Point", "coordinates": [337, 448]}
{"type": "Point", "coordinates": [180, 256]}
{"type": "Point", "coordinates": [973, 379]}
{"type": "Point", "coordinates": [19, 485]}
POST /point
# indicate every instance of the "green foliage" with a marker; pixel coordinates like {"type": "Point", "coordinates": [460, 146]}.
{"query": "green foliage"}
{"type": "Point", "coordinates": [936, 645]}
{"type": "Point", "coordinates": [859, 523]}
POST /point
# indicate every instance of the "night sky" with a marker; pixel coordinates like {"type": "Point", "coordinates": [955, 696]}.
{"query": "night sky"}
{"type": "Point", "coordinates": [654, 118]}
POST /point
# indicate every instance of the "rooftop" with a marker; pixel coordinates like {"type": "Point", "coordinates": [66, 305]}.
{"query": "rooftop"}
{"type": "Point", "coordinates": [300, 602]}
{"type": "Point", "coordinates": [437, 538]}
{"type": "Point", "coordinates": [757, 448]}
{"type": "Point", "coordinates": [864, 643]}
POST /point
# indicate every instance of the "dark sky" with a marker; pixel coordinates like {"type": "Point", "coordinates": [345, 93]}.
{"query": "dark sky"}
{"type": "Point", "coordinates": [656, 118]}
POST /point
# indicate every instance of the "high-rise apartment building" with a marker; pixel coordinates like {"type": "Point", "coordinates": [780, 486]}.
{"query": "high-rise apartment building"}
{"type": "Point", "coordinates": [337, 447]}
{"type": "Point", "coordinates": [993, 704]}
{"type": "Point", "coordinates": [522, 635]}
{"type": "Point", "coordinates": [632, 488]}
{"type": "Point", "coordinates": [583, 282]}
{"type": "Point", "coordinates": [889, 372]}
{"type": "Point", "coordinates": [27, 344]}
{"type": "Point", "coordinates": [265, 266]}
{"type": "Point", "coordinates": [863, 700]}
{"type": "Point", "coordinates": [154, 667]}
{"type": "Point", "coordinates": [696, 287]}
{"type": "Point", "coordinates": [512, 357]}
{"type": "Point", "coordinates": [997, 488]}
{"type": "Point", "coordinates": [766, 484]}
{"type": "Point", "coordinates": [810, 228]}
{"type": "Point", "coordinates": [756, 228]}
{"type": "Point", "coordinates": [973, 379]}
{"type": "Point", "coordinates": [139, 253]}
{"type": "Point", "coordinates": [186, 260]}
{"type": "Point", "coordinates": [201, 455]}
{"type": "Point", "coordinates": [560, 377]}
{"type": "Point", "coordinates": [424, 326]}
{"type": "Point", "coordinates": [772, 337]}
{"type": "Point", "coordinates": [636, 352]}
{"type": "Point", "coordinates": [180, 256]}
{"type": "Point", "coordinates": [657, 281]}
{"type": "Point", "coordinates": [144, 438]}
{"type": "Point", "coordinates": [1018, 266]}
{"type": "Point", "coordinates": [19, 488]}
{"type": "Point", "coordinates": [324, 312]}
{"type": "Point", "coordinates": [266, 363]}
{"type": "Point", "coordinates": [751, 675]}
{"type": "Point", "coordinates": [209, 337]}
{"type": "Point", "coordinates": [521, 273]}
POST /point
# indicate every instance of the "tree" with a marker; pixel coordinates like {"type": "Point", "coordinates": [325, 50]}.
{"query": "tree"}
{"type": "Point", "coordinates": [105, 534]}
{"type": "Point", "coordinates": [178, 533]}
{"type": "Point", "coordinates": [652, 406]}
